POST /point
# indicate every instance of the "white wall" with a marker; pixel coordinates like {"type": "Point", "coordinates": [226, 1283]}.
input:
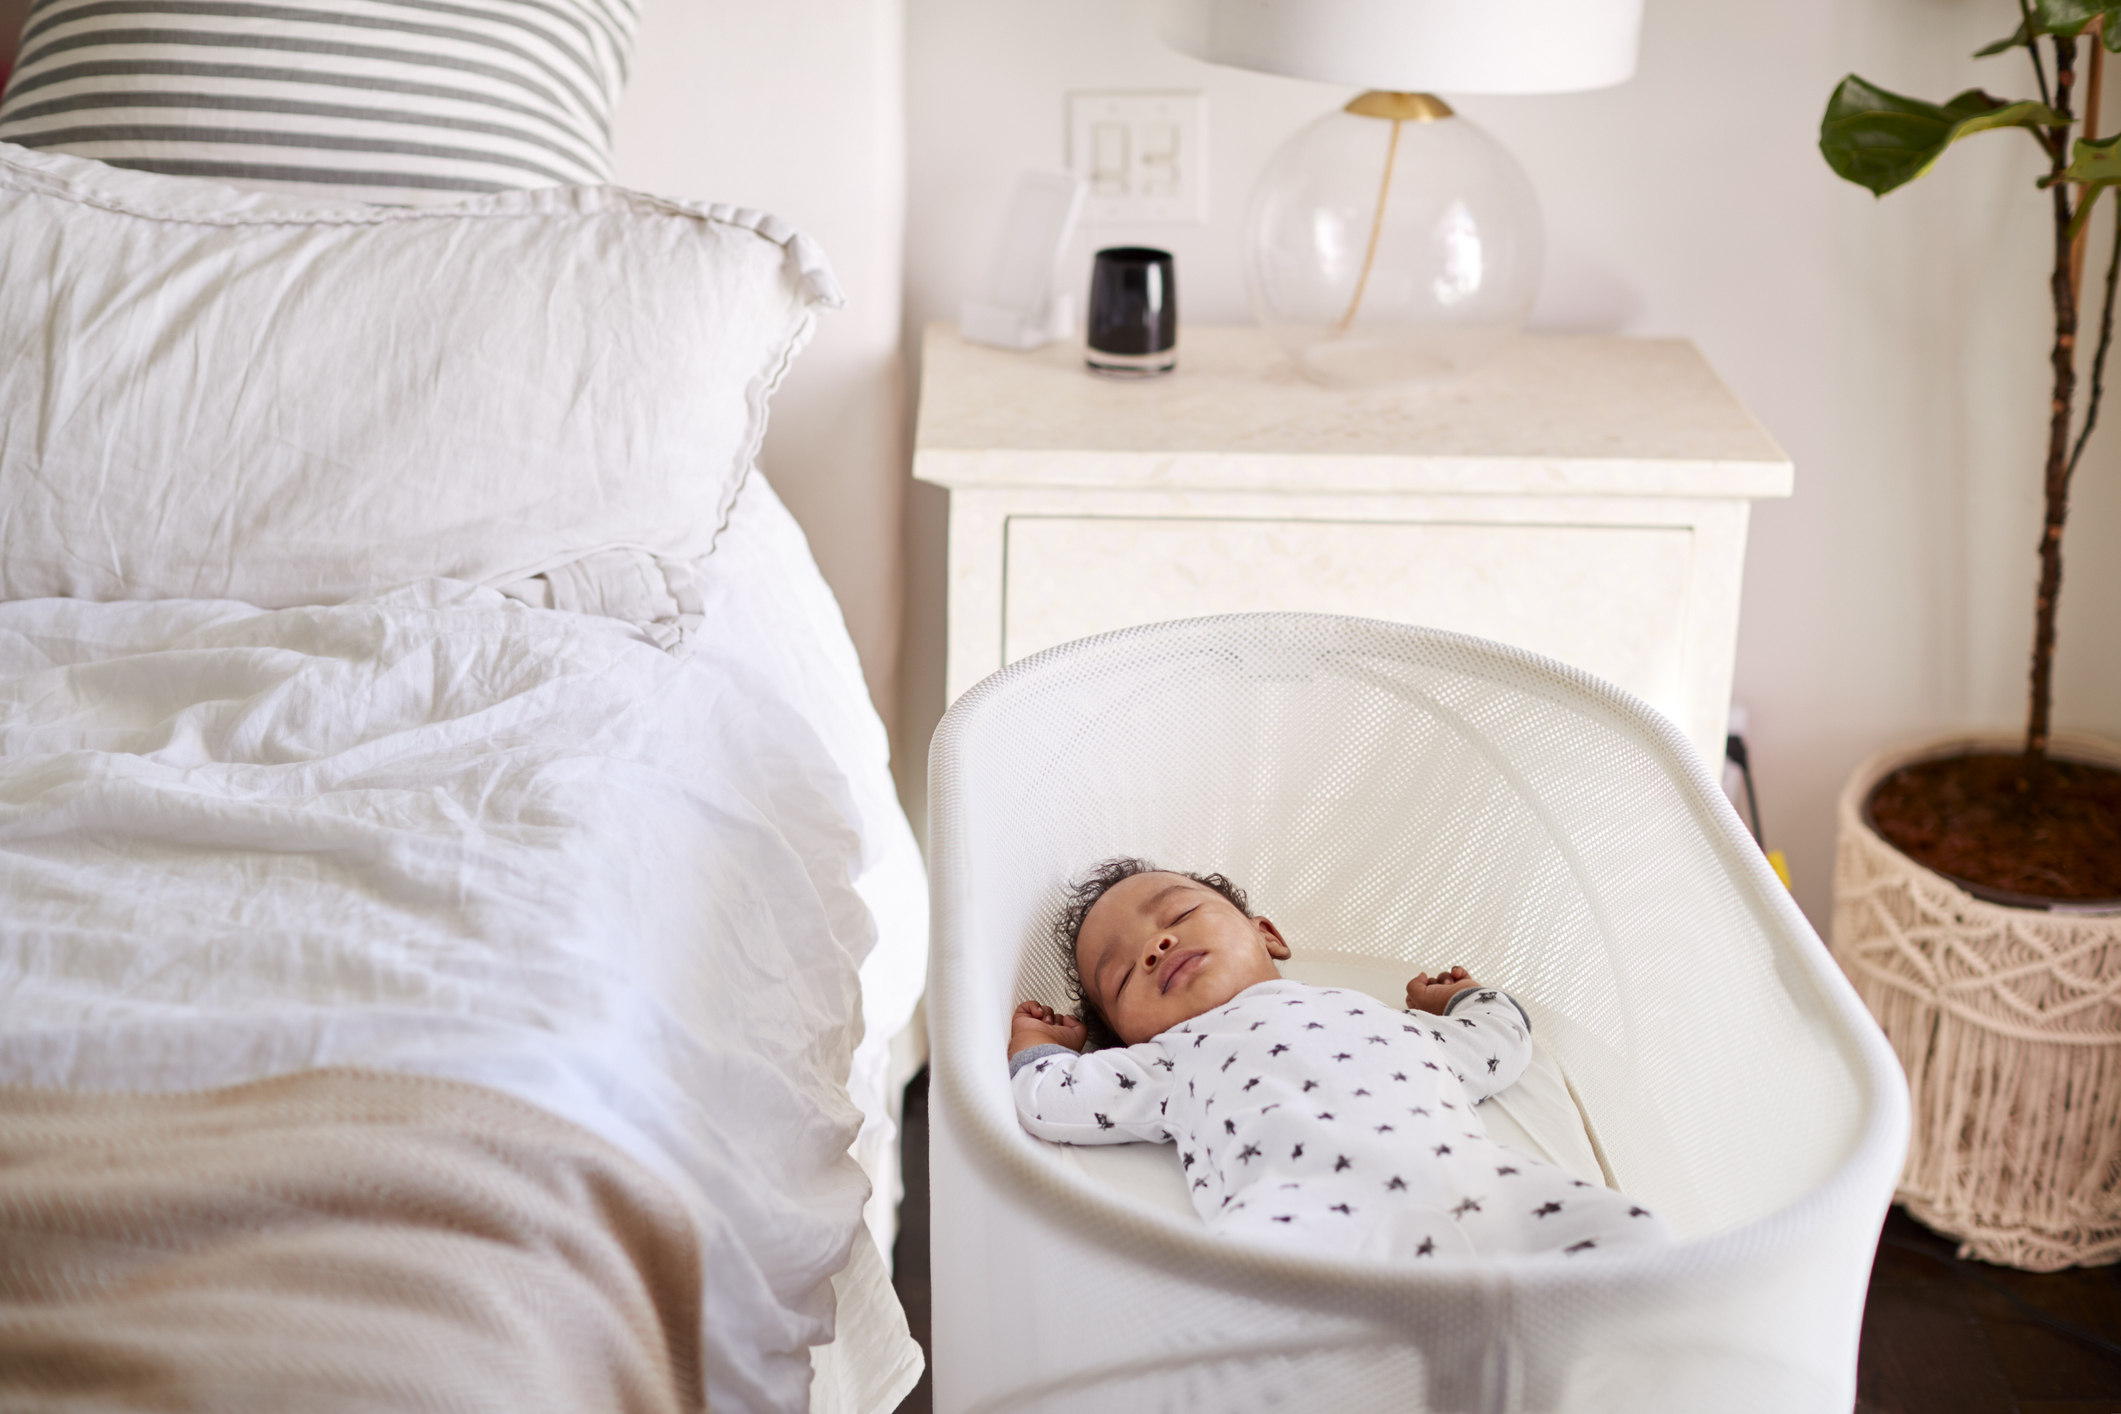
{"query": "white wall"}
{"type": "Point", "coordinates": [1896, 349]}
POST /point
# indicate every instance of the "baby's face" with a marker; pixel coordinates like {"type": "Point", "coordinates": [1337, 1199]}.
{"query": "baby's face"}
{"type": "Point", "coordinates": [1159, 949]}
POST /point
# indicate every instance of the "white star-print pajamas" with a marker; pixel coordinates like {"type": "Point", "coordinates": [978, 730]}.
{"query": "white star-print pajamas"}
{"type": "Point", "coordinates": [1323, 1117]}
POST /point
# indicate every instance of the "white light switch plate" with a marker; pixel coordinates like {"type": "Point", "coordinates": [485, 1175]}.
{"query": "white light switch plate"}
{"type": "Point", "coordinates": [1143, 156]}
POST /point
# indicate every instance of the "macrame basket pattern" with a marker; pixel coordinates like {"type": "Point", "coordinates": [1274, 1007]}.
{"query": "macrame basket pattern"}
{"type": "Point", "coordinates": [2008, 1023]}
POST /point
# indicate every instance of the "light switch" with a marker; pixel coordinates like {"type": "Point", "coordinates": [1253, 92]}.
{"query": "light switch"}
{"type": "Point", "coordinates": [1159, 164]}
{"type": "Point", "coordinates": [1144, 156]}
{"type": "Point", "coordinates": [1109, 160]}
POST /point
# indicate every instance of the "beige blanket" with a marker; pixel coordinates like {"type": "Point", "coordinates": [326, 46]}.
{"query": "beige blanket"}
{"type": "Point", "coordinates": [335, 1240]}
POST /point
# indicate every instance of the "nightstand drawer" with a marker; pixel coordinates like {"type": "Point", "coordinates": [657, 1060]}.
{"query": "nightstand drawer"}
{"type": "Point", "coordinates": [1611, 600]}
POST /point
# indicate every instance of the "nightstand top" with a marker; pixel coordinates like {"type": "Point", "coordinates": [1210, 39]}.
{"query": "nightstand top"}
{"type": "Point", "coordinates": [1550, 413]}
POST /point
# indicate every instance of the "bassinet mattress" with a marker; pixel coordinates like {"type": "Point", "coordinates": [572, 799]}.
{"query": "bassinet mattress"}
{"type": "Point", "coordinates": [437, 833]}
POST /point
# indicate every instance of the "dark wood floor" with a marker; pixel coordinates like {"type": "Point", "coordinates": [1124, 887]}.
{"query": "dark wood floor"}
{"type": "Point", "coordinates": [909, 1257]}
{"type": "Point", "coordinates": [1940, 1336]}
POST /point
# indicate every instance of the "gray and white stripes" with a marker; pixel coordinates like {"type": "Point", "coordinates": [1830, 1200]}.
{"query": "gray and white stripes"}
{"type": "Point", "coordinates": [396, 101]}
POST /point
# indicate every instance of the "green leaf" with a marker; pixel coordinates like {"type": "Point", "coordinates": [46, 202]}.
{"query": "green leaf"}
{"type": "Point", "coordinates": [1882, 140]}
{"type": "Point", "coordinates": [2095, 165]}
{"type": "Point", "coordinates": [2064, 17]}
{"type": "Point", "coordinates": [2085, 203]}
{"type": "Point", "coordinates": [2015, 41]}
{"type": "Point", "coordinates": [2096, 162]}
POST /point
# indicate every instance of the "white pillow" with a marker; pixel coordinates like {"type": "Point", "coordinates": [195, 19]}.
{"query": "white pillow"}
{"type": "Point", "coordinates": [208, 394]}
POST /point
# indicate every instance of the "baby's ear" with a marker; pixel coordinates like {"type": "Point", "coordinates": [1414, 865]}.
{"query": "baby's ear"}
{"type": "Point", "coordinates": [1277, 945]}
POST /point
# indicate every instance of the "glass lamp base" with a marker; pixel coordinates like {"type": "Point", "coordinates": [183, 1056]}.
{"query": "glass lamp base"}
{"type": "Point", "coordinates": [1392, 241]}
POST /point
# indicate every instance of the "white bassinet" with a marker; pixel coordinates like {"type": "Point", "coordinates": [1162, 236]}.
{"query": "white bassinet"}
{"type": "Point", "coordinates": [1417, 798]}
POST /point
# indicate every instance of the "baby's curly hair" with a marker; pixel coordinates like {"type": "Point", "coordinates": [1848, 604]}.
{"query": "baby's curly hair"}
{"type": "Point", "coordinates": [1082, 896]}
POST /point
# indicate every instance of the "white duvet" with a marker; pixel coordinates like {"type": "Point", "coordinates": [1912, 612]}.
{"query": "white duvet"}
{"type": "Point", "coordinates": [441, 832]}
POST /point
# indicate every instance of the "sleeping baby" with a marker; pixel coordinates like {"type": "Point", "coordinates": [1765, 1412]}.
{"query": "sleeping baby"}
{"type": "Point", "coordinates": [1308, 1115]}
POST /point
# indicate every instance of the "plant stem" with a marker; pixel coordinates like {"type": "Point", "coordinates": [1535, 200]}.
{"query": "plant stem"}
{"type": "Point", "coordinates": [2064, 359]}
{"type": "Point", "coordinates": [2032, 48]}
{"type": "Point", "coordinates": [2106, 341]}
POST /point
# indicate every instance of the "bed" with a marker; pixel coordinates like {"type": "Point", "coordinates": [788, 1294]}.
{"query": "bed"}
{"type": "Point", "coordinates": [456, 909]}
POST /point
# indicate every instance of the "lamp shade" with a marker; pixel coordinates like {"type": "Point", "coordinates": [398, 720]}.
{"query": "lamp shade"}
{"type": "Point", "coordinates": [1417, 46]}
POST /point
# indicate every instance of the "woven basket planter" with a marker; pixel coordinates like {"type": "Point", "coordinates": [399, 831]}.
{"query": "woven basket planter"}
{"type": "Point", "coordinates": [2008, 1023]}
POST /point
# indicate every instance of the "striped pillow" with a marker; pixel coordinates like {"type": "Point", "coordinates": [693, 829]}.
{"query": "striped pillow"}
{"type": "Point", "coordinates": [402, 102]}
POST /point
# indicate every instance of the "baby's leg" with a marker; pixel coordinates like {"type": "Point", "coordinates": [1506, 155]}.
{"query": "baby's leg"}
{"type": "Point", "coordinates": [1329, 1217]}
{"type": "Point", "coordinates": [1529, 1206]}
{"type": "Point", "coordinates": [1505, 1202]}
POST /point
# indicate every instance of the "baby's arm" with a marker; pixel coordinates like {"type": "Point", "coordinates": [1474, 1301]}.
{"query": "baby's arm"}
{"type": "Point", "coordinates": [1485, 1036]}
{"type": "Point", "coordinates": [1111, 1096]}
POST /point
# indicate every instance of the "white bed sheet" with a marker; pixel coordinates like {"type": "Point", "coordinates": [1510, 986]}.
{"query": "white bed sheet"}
{"type": "Point", "coordinates": [439, 832]}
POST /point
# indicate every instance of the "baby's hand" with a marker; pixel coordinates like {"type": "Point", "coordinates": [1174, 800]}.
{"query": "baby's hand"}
{"type": "Point", "coordinates": [1036, 1024]}
{"type": "Point", "coordinates": [1433, 994]}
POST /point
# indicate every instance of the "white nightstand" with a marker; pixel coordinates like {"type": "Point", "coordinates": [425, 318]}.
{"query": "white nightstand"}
{"type": "Point", "coordinates": [1582, 497]}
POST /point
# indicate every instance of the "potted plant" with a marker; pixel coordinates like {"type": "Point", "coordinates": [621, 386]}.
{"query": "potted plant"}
{"type": "Point", "coordinates": [1977, 888]}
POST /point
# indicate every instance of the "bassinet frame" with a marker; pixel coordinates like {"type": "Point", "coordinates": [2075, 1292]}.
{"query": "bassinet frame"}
{"type": "Point", "coordinates": [1053, 1293]}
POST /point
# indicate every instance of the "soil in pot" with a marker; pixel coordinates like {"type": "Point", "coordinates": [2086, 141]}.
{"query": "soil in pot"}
{"type": "Point", "coordinates": [1982, 820]}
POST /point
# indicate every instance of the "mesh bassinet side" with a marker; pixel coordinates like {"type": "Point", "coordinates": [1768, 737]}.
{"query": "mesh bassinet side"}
{"type": "Point", "coordinates": [1399, 792]}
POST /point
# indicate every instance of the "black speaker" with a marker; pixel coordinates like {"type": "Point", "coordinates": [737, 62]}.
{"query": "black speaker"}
{"type": "Point", "coordinates": [1133, 313]}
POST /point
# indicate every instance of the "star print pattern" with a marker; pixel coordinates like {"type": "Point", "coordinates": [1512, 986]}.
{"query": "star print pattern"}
{"type": "Point", "coordinates": [1405, 1171]}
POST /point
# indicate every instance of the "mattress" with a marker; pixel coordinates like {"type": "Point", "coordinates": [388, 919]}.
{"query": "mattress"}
{"type": "Point", "coordinates": [437, 833]}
